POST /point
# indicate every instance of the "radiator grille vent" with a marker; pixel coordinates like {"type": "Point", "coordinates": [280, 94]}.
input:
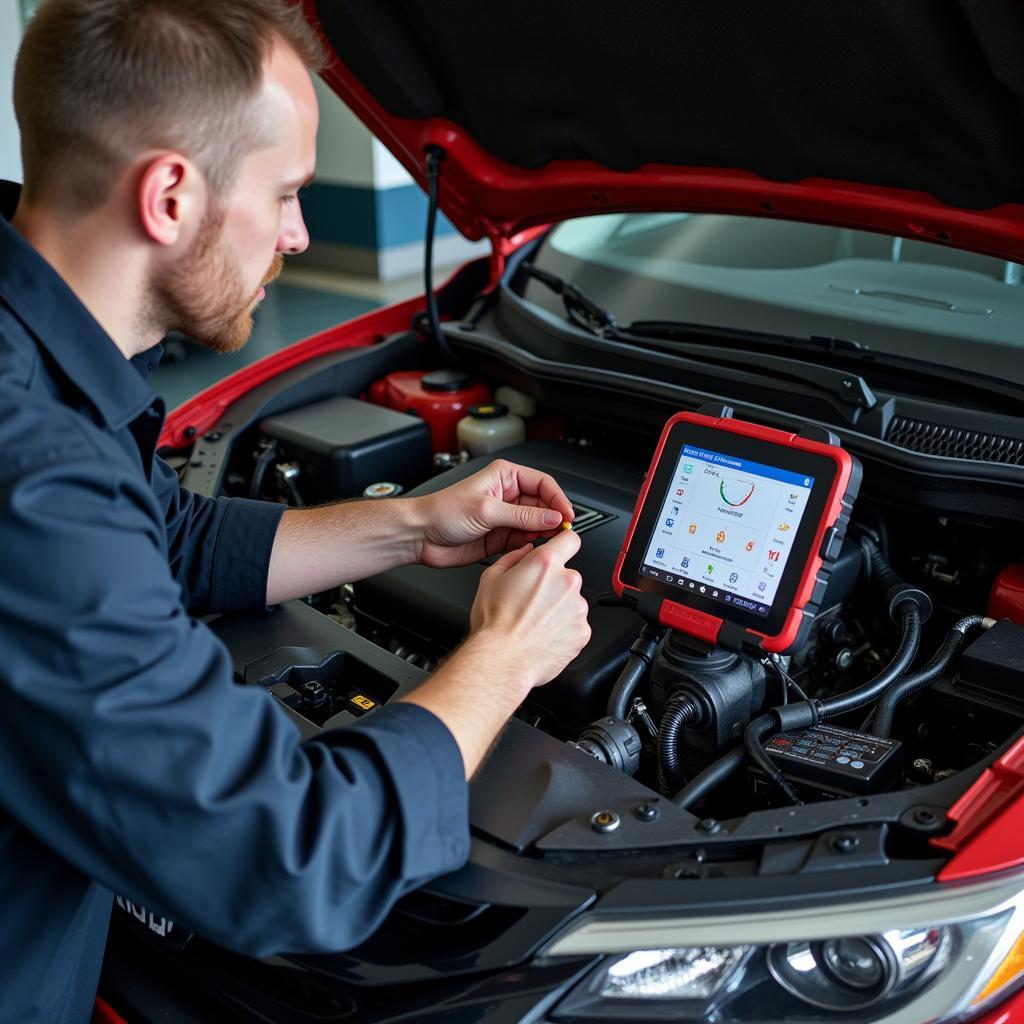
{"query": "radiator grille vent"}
{"type": "Point", "coordinates": [955, 443]}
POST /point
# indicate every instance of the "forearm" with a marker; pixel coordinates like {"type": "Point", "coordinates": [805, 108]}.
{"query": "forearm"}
{"type": "Point", "coordinates": [319, 548]}
{"type": "Point", "coordinates": [473, 694]}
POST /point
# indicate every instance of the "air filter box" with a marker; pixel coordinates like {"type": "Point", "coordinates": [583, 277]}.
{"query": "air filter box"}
{"type": "Point", "coordinates": [343, 444]}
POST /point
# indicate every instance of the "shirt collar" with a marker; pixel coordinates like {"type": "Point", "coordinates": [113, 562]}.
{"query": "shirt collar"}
{"type": "Point", "coordinates": [39, 297]}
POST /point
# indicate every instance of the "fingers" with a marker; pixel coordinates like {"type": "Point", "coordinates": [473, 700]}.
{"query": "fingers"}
{"type": "Point", "coordinates": [522, 480]}
{"type": "Point", "coordinates": [510, 559]}
{"type": "Point", "coordinates": [559, 549]}
{"type": "Point", "coordinates": [522, 518]}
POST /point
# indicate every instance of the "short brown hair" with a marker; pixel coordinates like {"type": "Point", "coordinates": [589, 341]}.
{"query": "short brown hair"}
{"type": "Point", "coordinates": [99, 81]}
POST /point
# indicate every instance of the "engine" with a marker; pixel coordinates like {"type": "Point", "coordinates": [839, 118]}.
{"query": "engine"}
{"type": "Point", "coordinates": [680, 716]}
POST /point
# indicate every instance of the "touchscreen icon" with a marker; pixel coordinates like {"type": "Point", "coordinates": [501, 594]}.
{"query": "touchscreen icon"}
{"type": "Point", "coordinates": [660, 553]}
{"type": "Point", "coordinates": [675, 512]}
{"type": "Point", "coordinates": [711, 569]}
{"type": "Point", "coordinates": [783, 527]}
{"type": "Point", "coordinates": [720, 536]}
{"type": "Point", "coordinates": [693, 528]}
{"type": "Point", "coordinates": [685, 563]}
{"type": "Point", "coordinates": [773, 556]}
{"type": "Point", "coordinates": [733, 577]}
{"type": "Point", "coordinates": [750, 545]}
{"type": "Point", "coordinates": [670, 522]}
{"type": "Point", "coordinates": [679, 492]}
{"type": "Point", "coordinates": [762, 586]}
{"type": "Point", "coordinates": [688, 468]}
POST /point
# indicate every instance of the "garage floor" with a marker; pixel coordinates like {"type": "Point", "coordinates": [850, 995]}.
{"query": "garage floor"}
{"type": "Point", "coordinates": [301, 303]}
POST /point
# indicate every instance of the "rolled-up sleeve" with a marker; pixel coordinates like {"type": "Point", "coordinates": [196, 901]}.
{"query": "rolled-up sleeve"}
{"type": "Point", "coordinates": [126, 747]}
{"type": "Point", "coordinates": [218, 548]}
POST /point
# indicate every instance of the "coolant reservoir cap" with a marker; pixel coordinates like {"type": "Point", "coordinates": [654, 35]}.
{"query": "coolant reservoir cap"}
{"type": "Point", "coordinates": [446, 380]}
{"type": "Point", "coordinates": [493, 411]}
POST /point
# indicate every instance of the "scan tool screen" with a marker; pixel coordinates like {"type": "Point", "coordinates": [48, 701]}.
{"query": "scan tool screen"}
{"type": "Point", "coordinates": [726, 528]}
{"type": "Point", "coordinates": [736, 530]}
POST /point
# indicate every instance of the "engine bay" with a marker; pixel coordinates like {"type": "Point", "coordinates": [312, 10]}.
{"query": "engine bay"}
{"type": "Point", "coordinates": [584, 757]}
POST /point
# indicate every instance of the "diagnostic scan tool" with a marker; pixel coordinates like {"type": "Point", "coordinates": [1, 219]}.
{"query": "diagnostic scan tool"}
{"type": "Point", "coordinates": [737, 529]}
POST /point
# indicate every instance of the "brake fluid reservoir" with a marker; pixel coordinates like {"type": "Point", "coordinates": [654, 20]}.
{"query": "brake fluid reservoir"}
{"type": "Point", "coordinates": [441, 397]}
{"type": "Point", "coordinates": [489, 428]}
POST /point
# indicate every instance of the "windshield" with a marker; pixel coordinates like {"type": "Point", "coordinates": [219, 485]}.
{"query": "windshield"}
{"type": "Point", "coordinates": [894, 295]}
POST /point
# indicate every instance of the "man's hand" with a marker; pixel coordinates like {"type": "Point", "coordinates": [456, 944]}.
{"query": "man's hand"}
{"type": "Point", "coordinates": [498, 509]}
{"type": "Point", "coordinates": [528, 622]}
{"type": "Point", "coordinates": [529, 605]}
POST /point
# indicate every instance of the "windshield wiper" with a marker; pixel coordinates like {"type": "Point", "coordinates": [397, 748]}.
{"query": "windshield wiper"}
{"type": "Point", "coordinates": [850, 388]}
{"type": "Point", "coordinates": [685, 331]}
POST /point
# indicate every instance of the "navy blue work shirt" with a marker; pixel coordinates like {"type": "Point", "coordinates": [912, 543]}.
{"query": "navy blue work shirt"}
{"type": "Point", "coordinates": [129, 760]}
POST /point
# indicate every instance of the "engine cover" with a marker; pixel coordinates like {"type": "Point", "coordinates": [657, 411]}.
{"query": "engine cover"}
{"type": "Point", "coordinates": [434, 604]}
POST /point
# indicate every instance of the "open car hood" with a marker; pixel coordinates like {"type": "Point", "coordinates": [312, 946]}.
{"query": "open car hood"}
{"type": "Point", "coordinates": [904, 118]}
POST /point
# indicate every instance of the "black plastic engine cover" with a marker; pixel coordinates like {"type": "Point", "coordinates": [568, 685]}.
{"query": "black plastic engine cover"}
{"type": "Point", "coordinates": [435, 603]}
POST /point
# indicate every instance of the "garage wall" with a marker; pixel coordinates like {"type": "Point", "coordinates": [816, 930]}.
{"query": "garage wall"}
{"type": "Point", "coordinates": [10, 33]}
{"type": "Point", "coordinates": [364, 212]}
{"type": "Point", "coordinates": [365, 215]}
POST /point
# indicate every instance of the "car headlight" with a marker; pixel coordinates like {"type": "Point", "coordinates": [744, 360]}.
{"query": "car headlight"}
{"type": "Point", "coordinates": [941, 954]}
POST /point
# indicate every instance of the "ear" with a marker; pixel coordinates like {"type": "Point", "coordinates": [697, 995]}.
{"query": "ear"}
{"type": "Point", "coordinates": [172, 196]}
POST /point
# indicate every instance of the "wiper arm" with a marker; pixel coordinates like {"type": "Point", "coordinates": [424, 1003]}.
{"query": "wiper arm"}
{"type": "Point", "coordinates": [683, 331]}
{"type": "Point", "coordinates": [850, 388]}
{"type": "Point", "coordinates": [580, 308]}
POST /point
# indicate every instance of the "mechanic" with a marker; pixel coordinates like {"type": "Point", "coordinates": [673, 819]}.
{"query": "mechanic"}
{"type": "Point", "coordinates": [163, 145]}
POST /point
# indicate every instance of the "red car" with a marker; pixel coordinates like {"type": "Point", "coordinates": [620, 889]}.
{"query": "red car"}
{"type": "Point", "coordinates": [812, 214]}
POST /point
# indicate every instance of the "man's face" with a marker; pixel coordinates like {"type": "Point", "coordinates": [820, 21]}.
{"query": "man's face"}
{"type": "Point", "coordinates": [211, 293]}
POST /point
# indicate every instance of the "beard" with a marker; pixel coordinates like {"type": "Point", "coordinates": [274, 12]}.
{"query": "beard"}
{"type": "Point", "coordinates": [204, 296]}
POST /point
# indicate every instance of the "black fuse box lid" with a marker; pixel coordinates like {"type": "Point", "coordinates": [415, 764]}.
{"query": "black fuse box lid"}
{"type": "Point", "coordinates": [346, 444]}
{"type": "Point", "coordinates": [836, 761]}
{"type": "Point", "coordinates": [994, 663]}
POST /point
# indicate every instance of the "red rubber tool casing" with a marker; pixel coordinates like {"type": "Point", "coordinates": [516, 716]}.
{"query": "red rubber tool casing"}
{"type": "Point", "coordinates": [827, 541]}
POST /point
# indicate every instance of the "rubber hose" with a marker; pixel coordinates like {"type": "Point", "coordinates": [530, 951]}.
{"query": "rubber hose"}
{"type": "Point", "coordinates": [882, 573]}
{"type": "Point", "coordinates": [753, 740]}
{"type": "Point", "coordinates": [910, 640]}
{"type": "Point", "coordinates": [711, 777]}
{"type": "Point", "coordinates": [641, 655]}
{"type": "Point", "coordinates": [631, 674]}
{"type": "Point", "coordinates": [920, 679]}
{"type": "Point", "coordinates": [680, 711]}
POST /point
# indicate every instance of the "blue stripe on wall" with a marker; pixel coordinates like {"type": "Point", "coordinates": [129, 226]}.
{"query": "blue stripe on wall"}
{"type": "Point", "coordinates": [402, 217]}
{"type": "Point", "coordinates": [368, 218]}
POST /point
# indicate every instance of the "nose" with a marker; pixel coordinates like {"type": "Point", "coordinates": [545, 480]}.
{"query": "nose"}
{"type": "Point", "coordinates": [294, 237]}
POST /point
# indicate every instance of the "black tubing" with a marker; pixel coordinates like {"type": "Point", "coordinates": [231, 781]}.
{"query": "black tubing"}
{"type": "Point", "coordinates": [263, 461]}
{"type": "Point", "coordinates": [901, 661]}
{"type": "Point", "coordinates": [710, 778]}
{"type": "Point", "coordinates": [919, 680]}
{"type": "Point", "coordinates": [882, 573]}
{"type": "Point", "coordinates": [753, 740]}
{"type": "Point", "coordinates": [641, 655]}
{"type": "Point", "coordinates": [680, 711]}
{"type": "Point", "coordinates": [631, 674]}
{"type": "Point", "coordinates": [896, 592]}
{"type": "Point", "coordinates": [434, 157]}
